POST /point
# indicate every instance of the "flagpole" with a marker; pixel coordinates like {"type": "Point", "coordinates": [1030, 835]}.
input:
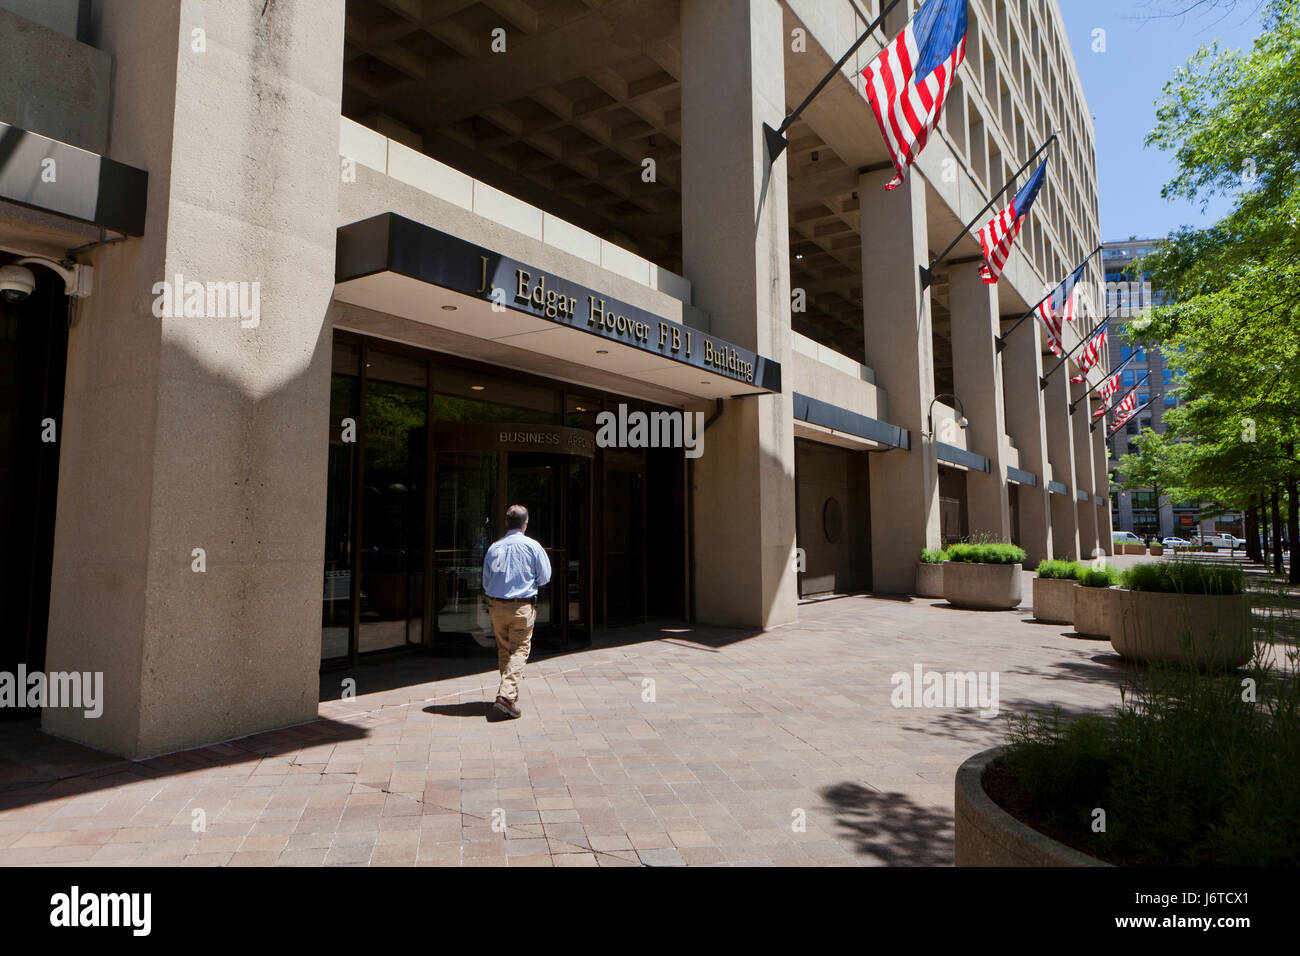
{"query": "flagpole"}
{"type": "Point", "coordinates": [1093, 426]}
{"type": "Point", "coordinates": [1111, 374]}
{"type": "Point", "coordinates": [1042, 379]}
{"type": "Point", "coordinates": [1000, 340]}
{"type": "Point", "coordinates": [927, 276]}
{"type": "Point", "coordinates": [776, 141]}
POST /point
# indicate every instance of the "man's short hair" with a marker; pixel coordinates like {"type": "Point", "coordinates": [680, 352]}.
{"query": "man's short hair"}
{"type": "Point", "coordinates": [516, 517]}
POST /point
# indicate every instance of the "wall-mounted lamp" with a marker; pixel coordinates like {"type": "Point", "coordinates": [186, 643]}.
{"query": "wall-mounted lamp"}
{"type": "Point", "coordinates": [962, 421]}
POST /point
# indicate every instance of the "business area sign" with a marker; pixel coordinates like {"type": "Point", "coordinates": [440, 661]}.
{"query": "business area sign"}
{"type": "Point", "coordinates": [393, 243]}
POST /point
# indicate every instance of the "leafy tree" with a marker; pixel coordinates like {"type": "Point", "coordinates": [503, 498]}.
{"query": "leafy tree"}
{"type": "Point", "coordinates": [1232, 120]}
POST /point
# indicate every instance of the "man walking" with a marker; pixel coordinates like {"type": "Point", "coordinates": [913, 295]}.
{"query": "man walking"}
{"type": "Point", "coordinates": [513, 569]}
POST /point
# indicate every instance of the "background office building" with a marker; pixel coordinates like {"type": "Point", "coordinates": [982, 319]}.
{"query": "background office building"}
{"type": "Point", "coordinates": [1157, 378]}
{"type": "Point", "coordinates": [367, 271]}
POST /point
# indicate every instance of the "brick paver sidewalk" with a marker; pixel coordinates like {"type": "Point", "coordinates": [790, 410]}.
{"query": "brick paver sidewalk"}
{"type": "Point", "coordinates": [659, 746]}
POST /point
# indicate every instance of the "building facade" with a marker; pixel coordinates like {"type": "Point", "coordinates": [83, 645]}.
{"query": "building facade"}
{"type": "Point", "coordinates": [361, 273]}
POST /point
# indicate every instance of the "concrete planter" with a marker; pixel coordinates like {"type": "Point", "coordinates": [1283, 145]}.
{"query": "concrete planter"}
{"type": "Point", "coordinates": [984, 587]}
{"type": "Point", "coordinates": [929, 580]}
{"type": "Point", "coordinates": [1156, 550]}
{"type": "Point", "coordinates": [1092, 611]}
{"type": "Point", "coordinates": [986, 835]}
{"type": "Point", "coordinates": [1193, 629]}
{"type": "Point", "coordinates": [1054, 600]}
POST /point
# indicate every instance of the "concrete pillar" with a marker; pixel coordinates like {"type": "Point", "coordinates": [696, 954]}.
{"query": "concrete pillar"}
{"type": "Point", "coordinates": [736, 252]}
{"type": "Point", "coordinates": [1101, 481]}
{"type": "Point", "coordinates": [899, 347]}
{"type": "Point", "coordinates": [210, 433]}
{"type": "Point", "coordinates": [1060, 452]}
{"type": "Point", "coordinates": [977, 378]}
{"type": "Point", "coordinates": [1084, 473]}
{"type": "Point", "coordinates": [1022, 364]}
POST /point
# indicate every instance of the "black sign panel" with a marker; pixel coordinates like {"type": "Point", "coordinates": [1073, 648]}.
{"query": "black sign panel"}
{"type": "Point", "coordinates": [392, 243]}
{"type": "Point", "coordinates": [46, 174]}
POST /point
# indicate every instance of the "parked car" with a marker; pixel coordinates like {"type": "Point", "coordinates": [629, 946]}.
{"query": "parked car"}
{"type": "Point", "coordinates": [1175, 543]}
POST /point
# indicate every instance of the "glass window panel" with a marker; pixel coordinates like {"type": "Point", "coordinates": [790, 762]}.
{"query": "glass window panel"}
{"type": "Point", "coordinates": [500, 398]}
{"type": "Point", "coordinates": [465, 526]}
{"type": "Point", "coordinates": [393, 502]}
{"type": "Point", "coordinates": [336, 597]}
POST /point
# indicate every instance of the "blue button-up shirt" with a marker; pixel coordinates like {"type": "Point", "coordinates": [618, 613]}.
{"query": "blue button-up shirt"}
{"type": "Point", "coordinates": [515, 567]}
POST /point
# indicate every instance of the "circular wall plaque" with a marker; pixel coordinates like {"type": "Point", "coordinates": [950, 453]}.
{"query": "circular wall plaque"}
{"type": "Point", "coordinates": [831, 520]}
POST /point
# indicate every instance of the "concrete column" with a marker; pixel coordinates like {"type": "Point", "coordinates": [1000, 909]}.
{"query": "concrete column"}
{"type": "Point", "coordinates": [1022, 364]}
{"type": "Point", "coordinates": [191, 508]}
{"type": "Point", "coordinates": [1060, 451]}
{"type": "Point", "coordinates": [1084, 473]}
{"type": "Point", "coordinates": [977, 378]}
{"type": "Point", "coordinates": [899, 347]}
{"type": "Point", "coordinates": [736, 252]}
{"type": "Point", "coordinates": [1101, 482]}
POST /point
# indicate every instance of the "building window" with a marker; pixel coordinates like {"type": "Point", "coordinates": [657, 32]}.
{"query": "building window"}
{"type": "Point", "coordinates": [1129, 378]}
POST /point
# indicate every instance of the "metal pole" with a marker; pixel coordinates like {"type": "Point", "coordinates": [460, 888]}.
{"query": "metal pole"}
{"type": "Point", "coordinates": [1093, 427]}
{"type": "Point", "coordinates": [1000, 340]}
{"type": "Point", "coordinates": [776, 141]}
{"type": "Point", "coordinates": [1042, 381]}
{"type": "Point", "coordinates": [1122, 365]}
{"type": "Point", "coordinates": [926, 271]}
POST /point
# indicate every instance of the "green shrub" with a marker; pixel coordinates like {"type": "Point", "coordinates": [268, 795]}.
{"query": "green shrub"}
{"type": "Point", "coordinates": [1184, 577]}
{"type": "Point", "coordinates": [994, 552]}
{"type": "Point", "coordinates": [1189, 773]}
{"type": "Point", "coordinates": [1061, 570]}
{"type": "Point", "coordinates": [933, 555]}
{"type": "Point", "coordinates": [1099, 577]}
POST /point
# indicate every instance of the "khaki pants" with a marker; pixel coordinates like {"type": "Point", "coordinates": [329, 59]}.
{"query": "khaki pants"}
{"type": "Point", "coordinates": [512, 621]}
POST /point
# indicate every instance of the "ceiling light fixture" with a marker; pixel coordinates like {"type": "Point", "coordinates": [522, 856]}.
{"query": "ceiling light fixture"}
{"type": "Point", "coordinates": [602, 351]}
{"type": "Point", "coordinates": [449, 308]}
{"type": "Point", "coordinates": [478, 388]}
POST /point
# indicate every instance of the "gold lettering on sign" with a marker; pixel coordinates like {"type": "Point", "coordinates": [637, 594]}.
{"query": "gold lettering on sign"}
{"type": "Point", "coordinates": [482, 282]}
{"type": "Point", "coordinates": [521, 289]}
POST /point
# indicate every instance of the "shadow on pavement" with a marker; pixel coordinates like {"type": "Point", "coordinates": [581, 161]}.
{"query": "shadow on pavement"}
{"type": "Point", "coordinates": [890, 827]}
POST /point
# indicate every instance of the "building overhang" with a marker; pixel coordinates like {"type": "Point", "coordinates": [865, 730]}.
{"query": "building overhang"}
{"type": "Point", "coordinates": [956, 455]}
{"type": "Point", "coordinates": [822, 421]}
{"type": "Point", "coordinates": [1022, 477]}
{"type": "Point", "coordinates": [44, 174]}
{"type": "Point", "coordinates": [1056, 488]}
{"type": "Point", "coordinates": [394, 265]}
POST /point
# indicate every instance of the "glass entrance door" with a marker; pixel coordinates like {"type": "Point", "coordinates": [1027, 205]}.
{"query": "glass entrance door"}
{"type": "Point", "coordinates": [466, 523]}
{"type": "Point", "coordinates": [536, 481]}
{"type": "Point", "coordinates": [473, 490]}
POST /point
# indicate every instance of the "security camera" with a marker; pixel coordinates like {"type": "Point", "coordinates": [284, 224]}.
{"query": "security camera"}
{"type": "Point", "coordinates": [16, 283]}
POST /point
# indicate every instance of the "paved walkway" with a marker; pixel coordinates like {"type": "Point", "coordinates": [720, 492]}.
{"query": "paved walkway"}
{"type": "Point", "coordinates": [659, 746]}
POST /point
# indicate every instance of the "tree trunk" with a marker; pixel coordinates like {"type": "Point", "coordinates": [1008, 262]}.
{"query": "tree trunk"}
{"type": "Point", "coordinates": [1263, 528]}
{"type": "Point", "coordinates": [1252, 533]}
{"type": "Point", "coordinates": [1277, 533]}
{"type": "Point", "coordinates": [1293, 524]}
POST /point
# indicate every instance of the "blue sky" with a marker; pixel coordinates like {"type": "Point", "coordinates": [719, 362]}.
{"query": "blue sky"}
{"type": "Point", "coordinates": [1122, 85]}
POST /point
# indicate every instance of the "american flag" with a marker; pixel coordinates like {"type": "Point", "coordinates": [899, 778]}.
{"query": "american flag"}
{"type": "Point", "coordinates": [910, 78]}
{"type": "Point", "coordinates": [1058, 308]}
{"type": "Point", "coordinates": [1107, 390]}
{"type": "Point", "coordinates": [1091, 354]}
{"type": "Point", "coordinates": [999, 235]}
{"type": "Point", "coordinates": [1124, 410]}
